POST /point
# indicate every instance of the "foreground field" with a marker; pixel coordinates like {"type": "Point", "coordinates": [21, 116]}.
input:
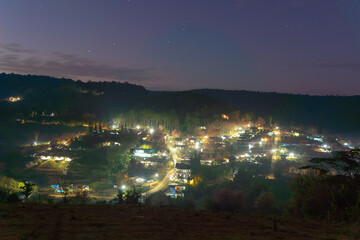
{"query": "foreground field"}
{"type": "Point", "coordinates": [35, 221]}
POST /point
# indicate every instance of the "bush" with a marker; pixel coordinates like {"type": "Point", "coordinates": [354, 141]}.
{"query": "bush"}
{"type": "Point", "coordinates": [158, 199]}
{"type": "Point", "coordinates": [226, 200]}
{"type": "Point", "coordinates": [13, 198]}
{"type": "Point", "coordinates": [132, 196]}
{"type": "Point", "coordinates": [328, 197]}
{"type": "Point", "coordinates": [3, 195]}
{"type": "Point", "coordinates": [79, 198]}
{"type": "Point", "coordinates": [265, 203]}
{"type": "Point", "coordinates": [42, 198]}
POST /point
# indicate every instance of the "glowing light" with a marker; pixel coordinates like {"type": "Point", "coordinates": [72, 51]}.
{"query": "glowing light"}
{"type": "Point", "coordinates": [137, 127]}
{"type": "Point", "coordinates": [224, 116]}
{"type": "Point", "coordinates": [140, 180]}
{"type": "Point", "coordinates": [123, 187]}
{"type": "Point", "coordinates": [151, 130]}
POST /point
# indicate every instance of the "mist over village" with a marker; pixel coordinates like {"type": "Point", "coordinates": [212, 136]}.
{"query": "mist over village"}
{"type": "Point", "coordinates": [158, 119]}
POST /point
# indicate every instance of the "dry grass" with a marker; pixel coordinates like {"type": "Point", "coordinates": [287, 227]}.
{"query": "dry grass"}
{"type": "Point", "coordinates": [36, 221]}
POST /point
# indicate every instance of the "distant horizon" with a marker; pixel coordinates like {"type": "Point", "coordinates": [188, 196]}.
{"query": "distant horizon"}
{"type": "Point", "coordinates": [180, 90]}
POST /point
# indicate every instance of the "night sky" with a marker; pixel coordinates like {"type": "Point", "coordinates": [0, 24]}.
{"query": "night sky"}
{"type": "Point", "coordinates": [295, 46]}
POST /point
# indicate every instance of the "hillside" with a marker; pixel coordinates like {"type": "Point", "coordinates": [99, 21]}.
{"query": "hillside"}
{"type": "Point", "coordinates": [329, 113]}
{"type": "Point", "coordinates": [34, 221]}
{"type": "Point", "coordinates": [76, 100]}
{"type": "Point", "coordinates": [101, 101]}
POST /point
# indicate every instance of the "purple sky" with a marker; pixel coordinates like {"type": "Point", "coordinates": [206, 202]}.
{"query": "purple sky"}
{"type": "Point", "coordinates": [296, 46]}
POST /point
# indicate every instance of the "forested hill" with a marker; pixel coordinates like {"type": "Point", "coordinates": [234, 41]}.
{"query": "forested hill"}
{"type": "Point", "coordinates": [77, 100]}
{"type": "Point", "coordinates": [332, 113]}
{"type": "Point", "coordinates": [99, 101]}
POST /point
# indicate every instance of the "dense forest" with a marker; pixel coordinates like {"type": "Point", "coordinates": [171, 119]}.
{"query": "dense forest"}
{"type": "Point", "coordinates": [104, 101]}
{"type": "Point", "coordinates": [337, 114]}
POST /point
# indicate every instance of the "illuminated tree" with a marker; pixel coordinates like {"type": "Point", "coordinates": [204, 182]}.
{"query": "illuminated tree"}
{"type": "Point", "coordinates": [27, 189]}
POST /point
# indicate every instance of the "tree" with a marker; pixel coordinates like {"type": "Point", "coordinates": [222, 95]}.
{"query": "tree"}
{"type": "Point", "coordinates": [195, 164]}
{"type": "Point", "coordinates": [27, 189]}
{"type": "Point", "coordinates": [120, 196]}
{"type": "Point", "coordinates": [344, 162]}
{"type": "Point", "coordinates": [265, 203]}
{"type": "Point", "coordinates": [132, 196]}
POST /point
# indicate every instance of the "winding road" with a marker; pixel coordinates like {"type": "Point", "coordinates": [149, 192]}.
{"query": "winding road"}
{"type": "Point", "coordinates": [161, 185]}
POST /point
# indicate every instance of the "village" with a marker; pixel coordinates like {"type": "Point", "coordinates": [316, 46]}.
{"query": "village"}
{"type": "Point", "coordinates": [163, 161]}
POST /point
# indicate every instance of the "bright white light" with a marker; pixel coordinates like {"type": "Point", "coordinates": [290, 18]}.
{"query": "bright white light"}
{"type": "Point", "coordinates": [291, 155]}
{"type": "Point", "coordinates": [138, 127]}
{"type": "Point", "coordinates": [250, 146]}
{"type": "Point", "coordinates": [346, 144]}
{"type": "Point", "coordinates": [151, 130]}
{"type": "Point", "coordinates": [240, 128]}
{"type": "Point", "coordinates": [325, 146]}
{"type": "Point", "coordinates": [274, 150]}
{"type": "Point", "coordinates": [277, 128]}
{"type": "Point", "coordinates": [156, 175]}
{"type": "Point", "coordinates": [123, 187]}
{"type": "Point", "coordinates": [140, 180]}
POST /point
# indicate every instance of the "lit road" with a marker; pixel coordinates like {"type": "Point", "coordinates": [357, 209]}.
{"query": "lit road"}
{"type": "Point", "coordinates": [165, 182]}
{"type": "Point", "coordinates": [161, 185]}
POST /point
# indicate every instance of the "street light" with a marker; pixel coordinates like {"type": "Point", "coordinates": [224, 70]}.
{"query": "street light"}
{"type": "Point", "coordinates": [151, 130]}
{"type": "Point", "coordinates": [123, 187]}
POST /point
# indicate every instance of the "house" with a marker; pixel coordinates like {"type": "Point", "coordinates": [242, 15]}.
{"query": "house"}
{"type": "Point", "coordinates": [144, 153]}
{"type": "Point", "coordinates": [183, 172]}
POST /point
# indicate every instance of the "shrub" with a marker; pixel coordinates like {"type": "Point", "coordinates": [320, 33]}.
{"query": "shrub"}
{"type": "Point", "coordinates": [132, 196]}
{"type": "Point", "coordinates": [325, 196]}
{"type": "Point", "coordinates": [226, 200]}
{"type": "Point", "coordinates": [3, 195]}
{"type": "Point", "coordinates": [265, 203]}
{"type": "Point", "coordinates": [13, 198]}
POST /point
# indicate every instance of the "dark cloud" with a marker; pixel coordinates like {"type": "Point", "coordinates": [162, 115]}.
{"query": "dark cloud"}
{"type": "Point", "coordinates": [67, 65]}
{"type": "Point", "coordinates": [15, 48]}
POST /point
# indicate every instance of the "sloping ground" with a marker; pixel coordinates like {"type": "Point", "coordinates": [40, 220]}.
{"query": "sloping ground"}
{"type": "Point", "coordinates": [35, 221]}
